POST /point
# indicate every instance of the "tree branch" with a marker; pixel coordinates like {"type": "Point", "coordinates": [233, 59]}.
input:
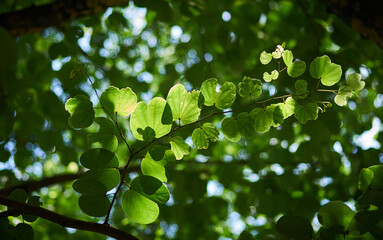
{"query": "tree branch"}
{"type": "Point", "coordinates": [66, 221]}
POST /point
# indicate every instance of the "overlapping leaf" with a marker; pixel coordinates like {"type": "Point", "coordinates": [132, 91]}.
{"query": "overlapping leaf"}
{"type": "Point", "coordinates": [335, 216]}
{"type": "Point", "coordinates": [139, 208]}
{"type": "Point", "coordinates": [81, 110]}
{"type": "Point", "coordinates": [99, 158]}
{"type": "Point", "coordinates": [199, 139]}
{"type": "Point", "coordinates": [179, 147]}
{"type": "Point", "coordinates": [306, 112]}
{"type": "Point", "coordinates": [268, 77]}
{"type": "Point", "coordinates": [153, 168]}
{"type": "Point", "coordinates": [250, 87]}
{"type": "Point", "coordinates": [120, 101]}
{"type": "Point", "coordinates": [329, 73]}
{"type": "Point", "coordinates": [222, 100]}
{"type": "Point", "coordinates": [105, 134]}
{"type": "Point", "coordinates": [96, 206]}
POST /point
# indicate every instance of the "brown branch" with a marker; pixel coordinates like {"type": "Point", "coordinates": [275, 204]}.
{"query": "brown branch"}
{"type": "Point", "coordinates": [36, 18]}
{"type": "Point", "coordinates": [34, 185]}
{"type": "Point", "coordinates": [67, 221]}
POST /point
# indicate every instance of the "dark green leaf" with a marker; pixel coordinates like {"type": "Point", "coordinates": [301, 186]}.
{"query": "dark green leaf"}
{"type": "Point", "coordinates": [151, 188]}
{"type": "Point", "coordinates": [99, 158]}
{"type": "Point", "coordinates": [81, 109]}
{"type": "Point", "coordinates": [96, 206]}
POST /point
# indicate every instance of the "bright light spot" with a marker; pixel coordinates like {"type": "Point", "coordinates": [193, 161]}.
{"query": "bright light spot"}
{"type": "Point", "coordinates": [378, 102]}
{"type": "Point", "coordinates": [352, 105]}
{"type": "Point", "coordinates": [284, 144]}
{"type": "Point", "coordinates": [271, 90]}
{"type": "Point", "coordinates": [176, 32]}
{"type": "Point", "coordinates": [201, 158]}
{"type": "Point", "coordinates": [136, 17]}
{"type": "Point", "coordinates": [84, 41]}
{"type": "Point", "coordinates": [293, 147]}
{"type": "Point", "coordinates": [170, 202]}
{"type": "Point", "coordinates": [324, 201]}
{"type": "Point", "coordinates": [214, 188]}
{"type": "Point", "coordinates": [57, 63]}
{"type": "Point", "coordinates": [262, 19]}
{"type": "Point", "coordinates": [367, 139]}
{"type": "Point", "coordinates": [235, 222]}
{"type": "Point", "coordinates": [260, 221]}
{"type": "Point", "coordinates": [185, 38]}
{"type": "Point", "coordinates": [338, 147]}
{"type": "Point", "coordinates": [273, 141]}
{"type": "Point", "coordinates": [364, 71]}
{"type": "Point", "coordinates": [323, 182]}
{"type": "Point", "coordinates": [208, 57]}
{"type": "Point", "coordinates": [277, 169]}
{"type": "Point", "coordinates": [145, 77]}
{"type": "Point", "coordinates": [226, 16]}
{"type": "Point", "coordinates": [249, 175]}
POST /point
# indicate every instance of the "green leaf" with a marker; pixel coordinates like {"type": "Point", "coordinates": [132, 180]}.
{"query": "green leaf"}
{"type": "Point", "coordinates": [245, 125]}
{"type": "Point", "coordinates": [153, 168]}
{"type": "Point", "coordinates": [301, 88]}
{"type": "Point", "coordinates": [278, 116]}
{"type": "Point", "coordinates": [211, 131]}
{"type": "Point", "coordinates": [230, 129]}
{"type": "Point", "coordinates": [365, 178]}
{"type": "Point", "coordinates": [200, 139]}
{"type": "Point", "coordinates": [354, 82]}
{"type": "Point", "coordinates": [157, 152]}
{"type": "Point", "coordinates": [377, 180]}
{"type": "Point", "coordinates": [287, 107]}
{"type": "Point", "coordinates": [340, 100]}
{"type": "Point", "coordinates": [19, 195]}
{"type": "Point", "coordinates": [105, 134]}
{"type": "Point", "coordinates": [269, 77]}
{"type": "Point", "coordinates": [24, 232]}
{"type": "Point", "coordinates": [295, 227]}
{"type": "Point", "coordinates": [139, 208]}
{"type": "Point", "coordinates": [265, 57]}
{"type": "Point", "coordinates": [335, 216]}
{"type": "Point", "coordinates": [81, 110]}
{"type": "Point", "coordinates": [250, 87]}
{"type": "Point", "coordinates": [263, 119]}
{"type": "Point", "coordinates": [109, 177]}
{"type": "Point", "coordinates": [330, 73]}
{"type": "Point", "coordinates": [306, 112]}
{"type": "Point", "coordinates": [99, 158]}
{"type": "Point", "coordinates": [149, 117]}
{"type": "Point", "coordinates": [91, 187]}
{"type": "Point", "coordinates": [209, 92]}
{"type": "Point", "coordinates": [151, 188]}
{"type": "Point", "coordinates": [179, 147]}
{"type": "Point", "coordinates": [96, 206]}
{"type": "Point", "coordinates": [226, 96]}
{"type": "Point", "coordinates": [8, 50]}
{"type": "Point", "coordinates": [287, 57]}
{"type": "Point", "coordinates": [343, 92]}
{"type": "Point", "coordinates": [120, 101]}
{"type": "Point", "coordinates": [296, 69]}
{"type": "Point", "coordinates": [184, 105]}
{"type": "Point", "coordinates": [35, 201]}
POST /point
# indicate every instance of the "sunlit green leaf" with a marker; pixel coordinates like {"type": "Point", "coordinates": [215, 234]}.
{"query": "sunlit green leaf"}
{"type": "Point", "coordinates": [226, 96]}
{"type": "Point", "coordinates": [365, 178]}
{"type": "Point", "coordinates": [296, 69]}
{"type": "Point", "coordinates": [211, 131]}
{"type": "Point", "coordinates": [230, 129]}
{"type": "Point", "coordinates": [120, 101]}
{"type": "Point", "coordinates": [295, 227]}
{"type": "Point", "coordinates": [278, 116]}
{"type": "Point", "coordinates": [91, 187]}
{"type": "Point", "coordinates": [99, 158]}
{"type": "Point", "coordinates": [81, 110]}
{"type": "Point", "coordinates": [250, 87]}
{"type": "Point", "coordinates": [263, 119]}
{"type": "Point", "coordinates": [199, 139]}
{"type": "Point", "coordinates": [306, 112]}
{"type": "Point", "coordinates": [288, 57]}
{"type": "Point", "coordinates": [354, 81]}
{"type": "Point", "coordinates": [179, 147]}
{"type": "Point", "coordinates": [301, 88]}
{"type": "Point", "coordinates": [109, 177]}
{"type": "Point", "coordinates": [146, 119]}
{"type": "Point", "coordinates": [96, 206]}
{"type": "Point", "coordinates": [329, 73]}
{"type": "Point", "coordinates": [153, 168]}
{"type": "Point", "coordinates": [265, 57]}
{"type": "Point", "coordinates": [209, 92]}
{"type": "Point", "coordinates": [335, 216]}
{"type": "Point", "coordinates": [139, 208]}
{"type": "Point", "coordinates": [105, 134]}
{"type": "Point", "coordinates": [272, 76]}
{"type": "Point", "coordinates": [151, 188]}
{"type": "Point", "coordinates": [245, 125]}
{"type": "Point", "coordinates": [184, 105]}
{"type": "Point", "coordinates": [287, 107]}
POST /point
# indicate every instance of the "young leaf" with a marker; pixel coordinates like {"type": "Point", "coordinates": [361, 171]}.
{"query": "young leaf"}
{"type": "Point", "coordinates": [153, 168]}
{"type": "Point", "coordinates": [245, 125]}
{"type": "Point", "coordinates": [99, 158]}
{"type": "Point", "coordinates": [301, 88]}
{"type": "Point", "coordinates": [35, 201]}
{"type": "Point", "coordinates": [81, 110]}
{"type": "Point", "coordinates": [120, 101]}
{"type": "Point", "coordinates": [250, 87]}
{"type": "Point", "coordinates": [335, 216]}
{"type": "Point", "coordinates": [343, 92]}
{"type": "Point", "coordinates": [226, 96]}
{"type": "Point", "coordinates": [139, 208]}
{"type": "Point", "coordinates": [330, 73]}
{"type": "Point", "coordinates": [146, 119]}
{"type": "Point", "coordinates": [200, 139]}
{"type": "Point", "coordinates": [90, 187]}
{"type": "Point", "coordinates": [151, 188]}
{"type": "Point", "coordinates": [265, 57]}
{"type": "Point", "coordinates": [287, 57]}
{"type": "Point", "coordinates": [109, 177]}
{"type": "Point", "coordinates": [184, 105]}
{"type": "Point", "coordinates": [105, 134]}
{"type": "Point", "coordinates": [294, 227]}
{"type": "Point", "coordinates": [269, 77]}
{"type": "Point", "coordinates": [278, 116]}
{"type": "Point", "coordinates": [296, 69]}
{"type": "Point", "coordinates": [354, 82]}
{"type": "Point", "coordinates": [179, 147]}
{"type": "Point", "coordinates": [263, 119]}
{"type": "Point", "coordinates": [287, 107]}
{"type": "Point", "coordinates": [209, 92]}
{"type": "Point", "coordinates": [230, 129]}
{"type": "Point", "coordinates": [306, 112]}
{"type": "Point", "coordinates": [96, 206]}
{"type": "Point", "coordinates": [211, 131]}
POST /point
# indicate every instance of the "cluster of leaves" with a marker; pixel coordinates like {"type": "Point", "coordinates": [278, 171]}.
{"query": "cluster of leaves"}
{"type": "Point", "coordinates": [157, 123]}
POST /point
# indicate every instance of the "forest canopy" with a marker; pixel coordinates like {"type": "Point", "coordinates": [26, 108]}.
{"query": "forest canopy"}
{"type": "Point", "coordinates": [160, 119]}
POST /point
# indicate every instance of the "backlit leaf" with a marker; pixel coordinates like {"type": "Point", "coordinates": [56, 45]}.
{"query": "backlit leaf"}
{"type": "Point", "coordinates": [329, 73]}
{"type": "Point", "coordinates": [354, 81]}
{"type": "Point", "coordinates": [99, 158]}
{"type": "Point", "coordinates": [211, 131]}
{"type": "Point", "coordinates": [109, 177]}
{"type": "Point", "coordinates": [153, 168]}
{"type": "Point", "coordinates": [81, 110]}
{"type": "Point", "coordinates": [91, 187]}
{"type": "Point", "coordinates": [335, 216]}
{"type": "Point", "coordinates": [105, 134]}
{"type": "Point", "coordinates": [245, 125]}
{"type": "Point", "coordinates": [365, 178]}
{"type": "Point", "coordinates": [230, 129]}
{"type": "Point", "coordinates": [139, 208]}
{"type": "Point", "coordinates": [263, 119]}
{"type": "Point", "coordinates": [287, 107]}
{"type": "Point", "coordinates": [272, 76]}
{"type": "Point", "coordinates": [250, 87]}
{"type": "Point", "coordinates": [296, 69]}
{"type": "Point", "coordinates": [377, 180]}
{"type": "Point", "coordinates": [200, 139]}
{"type": "Point", "coordinates": [96, 206]}
{"type": "Point", "coordinates": [226, 96]}
{"type": "Point", "coordinates": [151, 188]}
{"type": "Point", "coordinates": [265, 57]}
{"type": "Point", "coordinates": [179, 147]}
{"type": "Point", "coordinates": [209, 92]}
{"type": "Point", "coordinates": [120, 101]}
{"type": "Point", "coordinates": [306, 112]}
{"type": "Point", "coordinates": [287, 57]}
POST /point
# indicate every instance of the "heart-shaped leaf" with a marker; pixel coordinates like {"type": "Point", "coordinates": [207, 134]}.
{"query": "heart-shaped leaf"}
{"type": "Point", "coordinates": [272, 76]}
{"type": "Point", "coordinates": [329, 73]}
{"type": "Point", "coordinates": [335, 216]}
{"type": "Point", "coordinates": [153, 168]}
{"type": "Point", "coordinates": [354, 81]}
{"type": "Point", "coordinates": [151, 188]}
{"type": "Point", "coordinates": [139, 208]}
{"type": "Point", "coordinates": [250, 87]}
{"type": "Point", "coordinates": [245, 125]}
{"type": "Point", "coordinates": [120, 101]}
{"type": "Point", "coordinates": [105, 134]}
{"type": "Point", "coordinates": [99, 158]}
{"type": "Point", "coordinates": [199, 139]}
{"type": "Point", "coordinates": [226, 96]}
{"type": "Point", "coordinates": [296, 69]}
{"type": "Point", "coordinates": [306, 112]}
{"type": "Point", "coordinates": [81, 110]}
{"type": "Point", "coordinates": [288, 57]}
{"type": "Point", "coordinates": [209, 92]}
{"type": "Point", "coordinates": [230, 129]}
{"type": "Point", "coordinates": [265, 57]}
{"type": "Point", "coordinates": [211, 131]}
{"type": "Point", "coordinates": [179, 147]}
{"type": "Point", "coordinates": [263, 119]}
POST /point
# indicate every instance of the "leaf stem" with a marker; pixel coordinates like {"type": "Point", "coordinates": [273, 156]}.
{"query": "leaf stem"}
{"type": "Point", "coordinates": [327, 90]}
